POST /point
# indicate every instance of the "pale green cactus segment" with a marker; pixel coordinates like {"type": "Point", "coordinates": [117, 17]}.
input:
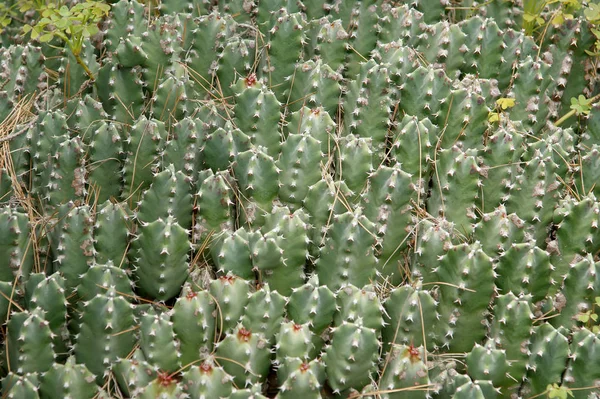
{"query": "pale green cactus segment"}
{"type": "Point", "coordinates": [74, 243]}
{"type": "Point", "coordinates": [316, 123]}
{"type": "Point", "coordinates": [48, 295]}
{"type": "Point", "coordinates": [548, 353]}
{"type": "Point", "coordinates": [511, 331]}
{"type": "Point", "coordinates": [348, 254]}
{"type": "Point", "coordinates": [257, 113]}
{"type": "Point", "coordinates": [471, 390]}
{"type": "Point", "coordinates": [127, 20]}
{"type": "Point", "coordinates": [247, 394]}
{"type": "Point", "coordinates": [250, 353]}
{"type": "Point", "coordinates": [158, 341]}
{"type": "Point", "coordinates": [435, 237]}
{"type": "Point", "coordinates": [312, 303]}
{"type": "Point", "coordinates": [215, 204]}
{"type": "Point", "coordinates": [258, 182]}
{"type": "Point", "coordinates": [100, 278]}
{"type": "Point", "coordinates": [106, 160]}
{"type": "Point", "coordinates": [144, 146]}
{"type": "Point", "coordinates": [68, 381]}
{"type": "Point", "coordinates": [588, 171]}
{"type": "Point", "coordinates": [106, 333]}
{"type": "Point", "coordinates": [405, 147]}
{"type": "Point", "coordinates": [293, 341]}
{"type": "Point", "coordinates": [368, 105]}
{"type": "Point", "coordinates": [579, 291]}
{"type": "Point", "coordinates": [257, 176]}
{"type": "Point", "coordinates": [456, 188]}
{"type": "Point", "coordinates": [194, 319]}
{"type": "Point", "coordinates": [408, 313]}
{"type": "Point", "coordinates": [465, 120]}
{"type": "Point", "coordinates": [577, 232]}
{"type": "Point", "coordinates": [360, 306]}
{"type": "Point", "coordinates": [220, 145]}
{"type": "Point", "coordinates": [327, 40]}
{"type": "Point", "coordinates": [533, 194]}
{"type": "Point", "coordinates": [300, 163]}
{"type": "Point", "coordinates": [525, 269]}
{"type": "Point", "coordinates": [264, 312]}
{"type": "Point", "coordinates": [529, 90]}
{"type": "Point", "coordinates": [169, 103]}
{"type": "Point", "coordinates": [355, 161]}
{"type": "Point", "coordinates": [289, 230]}
{"type": "Point", "coordinates": [16, 244]}
{"type": "Point", "coordinates": [232, 294]}
{"type": "Point", "coordinates": [363, 30]}
{"type": "Point", "coordinates": [498, 231]}
{"type": "Point", "coordinates": [585, 353]}
{"type": "Point", "coordinates": [86, 116]}
{"type": "Point", "coordinates": [285, 38]}
{"type": "Point", "coordinates": [301, 378]}
{"type": "Point", "coordinates": [406, 367]}
{"type": "Point", "coordinates": [232, 254]}
{"type": "Point", "coordinates": [161, 42]}
{"type": "Point", "coordinates": [389, 203]}
{"type": "Point", "coordinates": [467, 285]}
{"type": "Point", "coordinates": [324, 200]}
{"type": "Point", "coordinates": [160, 256]}
{"type": "Point", "coordinates": [502, 150]}
{"type": "Point", "coordinates": [194, 7]}
{"type": "Point", "coordinates": [425, 93]}
{"type": "Point", "coordinates": [350, 359]}
{"type": "Point", "coordinates": [19, 386]}
{"type": "Point", "coordinates": [133, 374]}
{"type": "Point", "coordinates": [29, 342]}
{"type": "Point", "coordinates": [163, 387]}
{"type": "Point", "coordinates": [121, 91]}
{"type": "Point", "coordinates": [236, 59]}
{"type": "Point", "coordinates": [62, 177]}
{"type": "Point", "coordinates": [182, 147]}
{"type": "Point", "coordinates": [315, 85]}
{"type": "Point", "coordinates": [488, 363]}
{"type": "Point", "coordinates": [207, 380]}
{"type": "Point", "coordinates": [168, 195]}
{"type": "Point", "coordinates": [6, 290]}
{"type": "Point", "coordinates": [111, 233]}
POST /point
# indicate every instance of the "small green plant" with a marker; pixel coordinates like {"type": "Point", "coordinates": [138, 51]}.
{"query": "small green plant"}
{"type": "Point", "coordinates": [590, 317]}
{"type": "Point", "coordinates": [534, 18]}
{"type": "Point", "coordinates": [579, 106]}
{"type": "Point", "coordinates": [72, 25]}
{"type": "Point", "coordinates": [6, 16]}
{"type": "Point", "coordinates": [554, 391]}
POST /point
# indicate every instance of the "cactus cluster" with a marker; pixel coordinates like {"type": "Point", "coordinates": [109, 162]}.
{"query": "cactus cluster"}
{"type": "Point", "coordinates": [300, 199]}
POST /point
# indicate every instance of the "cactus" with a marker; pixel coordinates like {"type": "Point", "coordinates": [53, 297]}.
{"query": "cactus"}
{"type": "Point", "coordinates": [68, 380]}
{"type": "Point", "coordinates": [405, 368]}
{"type": "Point", "coordinates": [160, 255]}
{"type": "Point", "coordinates": [249, 354]}
{"type": "Point", "coordinates": [29, 340]}
{"type": "Point", "coordinates": [194, 324]}
{"type": "Point", "coordinates": [105, 332]}
{"type": "Point", "coordinates": [350, 358]}
{"type": "Point", "coordinates": [207, 380]}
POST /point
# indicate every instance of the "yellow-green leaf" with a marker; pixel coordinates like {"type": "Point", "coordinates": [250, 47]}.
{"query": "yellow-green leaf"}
{"type": "Point", "coordinates": [505, 103]}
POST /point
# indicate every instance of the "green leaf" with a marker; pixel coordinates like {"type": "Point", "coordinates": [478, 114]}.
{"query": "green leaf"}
{"type": "Point", "coordinates": [46, 37]}
{"type": "Point", "coordinates": [583, 317]}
